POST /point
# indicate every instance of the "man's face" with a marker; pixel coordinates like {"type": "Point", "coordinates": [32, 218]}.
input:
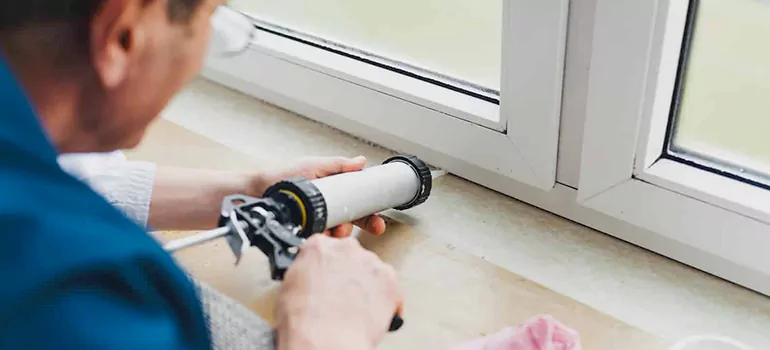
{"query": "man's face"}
{"type": "Point", "coordinates": [139, 78]}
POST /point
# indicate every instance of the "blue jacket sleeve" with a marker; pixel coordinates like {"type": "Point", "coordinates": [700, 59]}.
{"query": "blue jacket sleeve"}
{"type": "Point", "coordinates": [111, 308]}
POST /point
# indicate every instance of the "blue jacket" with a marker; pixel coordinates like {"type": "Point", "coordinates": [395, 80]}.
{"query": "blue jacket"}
{"type": "Point", "coordinates": [74, 272]}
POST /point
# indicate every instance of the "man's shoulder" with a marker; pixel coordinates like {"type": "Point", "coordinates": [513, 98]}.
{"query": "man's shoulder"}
{"type": "Point", "coordinates": [47, 199]}
{"type": "Point", "coordinates": [53, 225]}
{"type": "Point", "coordinates": [74, 268]}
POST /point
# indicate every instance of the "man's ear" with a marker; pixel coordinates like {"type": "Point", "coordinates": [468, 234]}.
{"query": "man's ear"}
{"type": "Point", "coordinates": [116, 39]}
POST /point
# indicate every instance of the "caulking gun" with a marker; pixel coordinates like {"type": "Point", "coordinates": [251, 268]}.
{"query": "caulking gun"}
{"type": "Point", "coordinates": [292, 210]}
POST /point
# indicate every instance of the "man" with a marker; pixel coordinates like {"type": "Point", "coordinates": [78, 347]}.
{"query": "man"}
{"type": "Point", "coordinates": [81, 76]}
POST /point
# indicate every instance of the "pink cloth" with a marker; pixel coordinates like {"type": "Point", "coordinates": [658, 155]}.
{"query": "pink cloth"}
{"type": "Point", "coordinates": [539, 333]}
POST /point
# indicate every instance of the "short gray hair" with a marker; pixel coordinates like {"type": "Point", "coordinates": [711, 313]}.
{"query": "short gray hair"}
{"type": "Point", "coordinates": [16, 14]}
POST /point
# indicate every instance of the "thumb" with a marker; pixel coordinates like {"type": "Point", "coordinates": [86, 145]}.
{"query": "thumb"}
{"type": "Point", "coordinates": [331, 166]}
{"type": "Point", "coordinates": [354, 164]}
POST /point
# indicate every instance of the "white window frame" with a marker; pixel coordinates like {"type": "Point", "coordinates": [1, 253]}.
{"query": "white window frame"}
{"type": "Point", "coordinates": [517, 139]}
{"type": "Point", "coordinates": [636, 54]}
{"type": "Point", "coordinates": [624, 188]}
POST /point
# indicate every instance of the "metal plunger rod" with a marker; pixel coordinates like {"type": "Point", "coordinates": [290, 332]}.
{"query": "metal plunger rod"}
{"type": "Point", "coordinates": [196, 239]}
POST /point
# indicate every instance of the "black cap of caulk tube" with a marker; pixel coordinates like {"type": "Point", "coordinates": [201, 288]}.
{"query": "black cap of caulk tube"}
{"type": "Point", "coordinates": [422, 171]}
{"type": "Point", "coordinates": [308, 199]}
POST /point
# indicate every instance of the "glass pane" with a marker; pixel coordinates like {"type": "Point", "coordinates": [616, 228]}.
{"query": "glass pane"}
{"type": "Point", "coordinates": [457, 38]}
{"type": "Point", "coordinates": [725, 102]}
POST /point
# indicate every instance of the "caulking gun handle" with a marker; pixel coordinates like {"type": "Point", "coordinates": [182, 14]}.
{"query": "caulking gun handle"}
{"type": "Point", "coordinates": [396, 324]}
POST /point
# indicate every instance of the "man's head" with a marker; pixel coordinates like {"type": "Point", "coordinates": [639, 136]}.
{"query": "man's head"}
{"type": "Point", "coordinates": [99, 71]}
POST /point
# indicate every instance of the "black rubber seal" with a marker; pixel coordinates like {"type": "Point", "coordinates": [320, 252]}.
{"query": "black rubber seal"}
{"type": "Point", "coordinates": [310, 198]}
{"type": "Point", "coordinates": [423, 173]}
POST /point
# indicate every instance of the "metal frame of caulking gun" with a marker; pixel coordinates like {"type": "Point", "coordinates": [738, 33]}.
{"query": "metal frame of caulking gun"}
{"type": "Point", "coordinates": [289, 212]}
{"type": "Point", "coordinates": [264, 230]}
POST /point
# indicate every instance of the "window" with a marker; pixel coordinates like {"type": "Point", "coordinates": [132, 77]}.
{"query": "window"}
{"type": "Point", "coordinates": [672, 140]}
{"type": "Point", "coordinates": [417, 76]}
{"type": "Point", "coordinates": [723, 115]}
{"type": "Point", "coordinates": [663, 121]}
{"type": "Point", "coordinates": [440, 38]}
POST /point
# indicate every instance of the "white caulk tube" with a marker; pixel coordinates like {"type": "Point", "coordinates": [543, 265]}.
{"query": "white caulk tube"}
{"type": "Point", "coordinates": [351, 196]}
{"type": "Point", "coordinates": [402, 182]}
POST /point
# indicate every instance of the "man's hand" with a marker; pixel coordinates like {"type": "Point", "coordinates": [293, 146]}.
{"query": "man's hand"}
{"type": "Point", "coordinates": [315, 168]}
{"type": "Point", "coordinates": [336, 296]}
{"type": "Point", "coordinates": [191, 199]}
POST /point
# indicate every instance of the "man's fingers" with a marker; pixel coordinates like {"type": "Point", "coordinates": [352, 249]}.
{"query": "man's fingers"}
{"type": "Point", "coordinates": [372, 224]}
{"type": "Point", "coordinates": [354, 164]}
{"type": "Point", "coordinates": [342, 231]}
{"type": "Point", "coordinates": [337, 165]}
